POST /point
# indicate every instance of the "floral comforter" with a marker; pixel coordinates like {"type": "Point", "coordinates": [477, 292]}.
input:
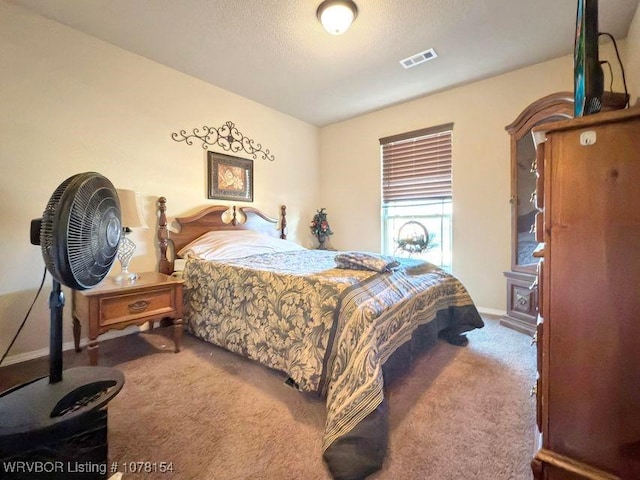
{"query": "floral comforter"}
{"type": "Point", "coordinates": [329, 329]}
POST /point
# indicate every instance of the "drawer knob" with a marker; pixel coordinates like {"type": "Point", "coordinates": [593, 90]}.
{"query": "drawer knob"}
{"type": "Point", "coordinates": [139, 306]}
{"type": "Point", "coordinates": [522, 300]}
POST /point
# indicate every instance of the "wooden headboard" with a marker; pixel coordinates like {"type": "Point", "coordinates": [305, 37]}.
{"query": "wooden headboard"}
{"type": "Point", "coordinates": [215, 217]}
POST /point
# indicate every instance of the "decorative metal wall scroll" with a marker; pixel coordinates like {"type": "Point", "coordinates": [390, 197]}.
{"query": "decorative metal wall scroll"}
{"type": "Point", "coordinates": [228, 137]}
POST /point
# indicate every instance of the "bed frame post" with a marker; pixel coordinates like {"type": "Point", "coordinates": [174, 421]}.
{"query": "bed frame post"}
{"type": "Point", "coordinates": [164, 265]}
{"type": "Point", "coordinates": [283, 222]}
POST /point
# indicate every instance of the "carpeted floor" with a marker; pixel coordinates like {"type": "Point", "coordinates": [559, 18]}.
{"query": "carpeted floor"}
{"type": "Point", "coordinates": [463, 412]}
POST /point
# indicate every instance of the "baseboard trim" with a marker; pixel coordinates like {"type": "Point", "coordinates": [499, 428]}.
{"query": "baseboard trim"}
{"type": "Point", "coordinates": [492, 311]}
{"type": "Point", "coordinates": [43, 352]}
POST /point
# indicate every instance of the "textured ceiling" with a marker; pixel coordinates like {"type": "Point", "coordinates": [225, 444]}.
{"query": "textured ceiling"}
{"type": "Point", "coordinates": [275, 52]}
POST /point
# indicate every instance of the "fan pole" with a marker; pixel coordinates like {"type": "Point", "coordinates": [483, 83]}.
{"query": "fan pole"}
{"type": "Point", "coordinates": [56, 303]}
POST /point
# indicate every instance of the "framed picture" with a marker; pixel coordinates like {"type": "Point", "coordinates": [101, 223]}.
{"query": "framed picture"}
{"type": "Point", "coordinates": [229, 178]}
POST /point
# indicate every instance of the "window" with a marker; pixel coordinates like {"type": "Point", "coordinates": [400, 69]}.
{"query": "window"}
{"type": "Point", "coordinates": [416, 195]}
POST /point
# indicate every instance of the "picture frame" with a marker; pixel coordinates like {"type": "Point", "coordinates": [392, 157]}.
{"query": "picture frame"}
{"type": "Point", "coordinates": [229, 177]}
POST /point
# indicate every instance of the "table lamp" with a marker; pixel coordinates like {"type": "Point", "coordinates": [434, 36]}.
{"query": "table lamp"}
{"type": "Point", "coordinates": [131, 216]}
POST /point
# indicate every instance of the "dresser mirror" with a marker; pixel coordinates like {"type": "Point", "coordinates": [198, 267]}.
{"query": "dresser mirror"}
{"type": "Point", "coordinates": [524, 203]}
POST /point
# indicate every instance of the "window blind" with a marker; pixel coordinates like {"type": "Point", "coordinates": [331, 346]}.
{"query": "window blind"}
{"type": "Point", "coordinates": [417, 165]}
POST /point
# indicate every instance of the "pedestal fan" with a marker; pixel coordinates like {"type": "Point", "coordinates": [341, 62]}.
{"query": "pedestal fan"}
{"type": "Point", "coordinates": [61, 419]}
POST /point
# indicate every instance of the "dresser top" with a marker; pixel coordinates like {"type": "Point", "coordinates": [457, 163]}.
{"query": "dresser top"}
{"type": "Point", "coordinates": [601, 118]}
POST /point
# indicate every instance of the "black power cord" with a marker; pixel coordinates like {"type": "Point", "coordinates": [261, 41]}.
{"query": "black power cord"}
{"type": "Point", "coordinates": [25, 318]}
{"type": "Point", "coordinates": [624, 79]}
{"type": "Point", "coordinates": [606, 62]}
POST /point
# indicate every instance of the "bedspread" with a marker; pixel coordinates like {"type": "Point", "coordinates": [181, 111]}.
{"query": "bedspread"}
{"type": "Point", "coordinates": [374, 319]}
{"type": "Point", "coordinates": [329, 329]}
{"type": "Point", "coordinates": [277, 308]}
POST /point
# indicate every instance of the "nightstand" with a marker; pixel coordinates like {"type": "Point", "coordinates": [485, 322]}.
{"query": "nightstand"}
{"type": "Point", "coordinates": [154, 296]}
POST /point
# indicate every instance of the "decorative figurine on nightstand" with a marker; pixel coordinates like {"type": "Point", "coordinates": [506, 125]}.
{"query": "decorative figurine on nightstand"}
{"type": "Point", "coordinates": [320, 228]}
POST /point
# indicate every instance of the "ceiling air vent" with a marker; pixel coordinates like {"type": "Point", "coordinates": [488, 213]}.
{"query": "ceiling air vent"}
{"type": "Point", "coordinates": [419, 58]}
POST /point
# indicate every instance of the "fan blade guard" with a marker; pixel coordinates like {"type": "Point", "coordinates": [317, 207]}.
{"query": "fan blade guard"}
{"type": "Point", "coordinates": [80, 232]}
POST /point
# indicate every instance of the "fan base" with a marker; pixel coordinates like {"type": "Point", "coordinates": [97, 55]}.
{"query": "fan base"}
{"type": "Point", "coordinates": [58, 431]}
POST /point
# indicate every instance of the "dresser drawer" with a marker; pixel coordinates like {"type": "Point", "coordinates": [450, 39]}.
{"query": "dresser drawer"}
{"type": "Point", "coordinates": [523, 299]}
{"type": "Point", "coordinates": [129, 307]}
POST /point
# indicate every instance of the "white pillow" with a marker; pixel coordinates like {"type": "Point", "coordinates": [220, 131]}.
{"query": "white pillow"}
{"type": "Point", "coordinates": [226, 244]}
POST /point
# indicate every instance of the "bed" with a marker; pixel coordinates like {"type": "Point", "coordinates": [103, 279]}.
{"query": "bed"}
{"type": "Point", "coordinates": [336, 323]}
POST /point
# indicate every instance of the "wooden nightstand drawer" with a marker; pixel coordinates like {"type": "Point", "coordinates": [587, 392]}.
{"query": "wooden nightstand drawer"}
{"type": "Point", "coordinates": [152, 297]}
{"type": "Point", "coordinates": [125, 308]}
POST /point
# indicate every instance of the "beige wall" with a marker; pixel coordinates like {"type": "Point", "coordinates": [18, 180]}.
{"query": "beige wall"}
{"type": "Point", "coordinates": [72, 103]}
{"type": "Point", "coordinates": [350, 174]}
{"type": "Point", "coordinates": [632, 59]}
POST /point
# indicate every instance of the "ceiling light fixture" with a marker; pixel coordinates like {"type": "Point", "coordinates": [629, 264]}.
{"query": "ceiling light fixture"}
{"type": "Point", "coordinates": [337, 16]}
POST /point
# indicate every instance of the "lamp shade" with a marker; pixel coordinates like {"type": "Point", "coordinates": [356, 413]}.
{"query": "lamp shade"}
{"type": "Point", "coordinates": [337, 16]}
{"type": "Point", "coordinates": [131, 209]}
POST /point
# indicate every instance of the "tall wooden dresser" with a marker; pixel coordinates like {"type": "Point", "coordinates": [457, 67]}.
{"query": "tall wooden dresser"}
{"type": "Point", "coordinates": [588, 332]}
